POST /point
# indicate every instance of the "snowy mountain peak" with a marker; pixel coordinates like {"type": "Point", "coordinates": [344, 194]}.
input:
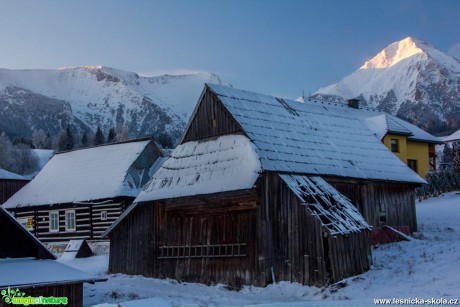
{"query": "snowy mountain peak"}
{"type": "Point", "coordinates": [88, 67]}
{"type": "Point", "coordinates": [395, 53]}
{"type": "Point", "coordinates": [409, 78]}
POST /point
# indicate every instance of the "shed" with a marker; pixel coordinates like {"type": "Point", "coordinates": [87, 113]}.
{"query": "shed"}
{"type": "Point", "coordinates": [28, 266]}
{"type": "Point", "coordinates": [79, 193]}
{"type": "Point", "coordinates": [10, 183]}
{"type": "Point", "coordinates": [263, 189]}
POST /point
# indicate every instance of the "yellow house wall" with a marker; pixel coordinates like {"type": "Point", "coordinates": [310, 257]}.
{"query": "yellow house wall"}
{"type": "Point", "coordinates": [402, 154]}
{"type": "Point", "coordinates": [411, 150]}
{"type": "Point", "coordinates": [419, 151]}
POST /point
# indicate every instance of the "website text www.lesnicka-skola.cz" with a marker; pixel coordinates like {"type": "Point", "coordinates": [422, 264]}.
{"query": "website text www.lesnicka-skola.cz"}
{"type": "Point", "coordinates": [415, 301]}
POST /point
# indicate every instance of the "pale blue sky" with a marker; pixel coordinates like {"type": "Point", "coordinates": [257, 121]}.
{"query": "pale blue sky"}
{"type": "Point", "coordinates": [275, 47]}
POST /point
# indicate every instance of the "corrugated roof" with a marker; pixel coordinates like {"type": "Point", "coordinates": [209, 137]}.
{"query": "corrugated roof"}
{"type": "Point", "coordinates": [335, 211]}
{"type": "Point", "coordinates": [82, 175]}
{"type": "Point", "coordinates": [312, 138]}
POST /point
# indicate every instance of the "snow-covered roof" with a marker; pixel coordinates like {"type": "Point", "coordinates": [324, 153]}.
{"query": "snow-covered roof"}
{"type": "Point", "coordinates": [382, 123]}
{"type": "Point", "coordinates": [22, 272]}
{"type": "Point", "coordinates": [6, 175]}
{"type": "Point", "coordinates": [312, 138]}
{"type": "Point", "coordinates": [337, 214]}
{"type": "Point", "coordinates": [452, 138]}
{"type": "Point", "coordinates": [226, 163]}
{"type": "Point", "coordinates": [82, 175]}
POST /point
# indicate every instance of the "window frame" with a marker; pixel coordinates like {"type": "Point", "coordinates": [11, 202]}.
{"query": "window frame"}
{"type": "Point", "coordinates": [50, 225]}
{"type": "Point", "coordinates": [67, 228]}
{"type": "Point", "coordinates": [394, 149]}
{"type": "Point", "coordinates": [104, 215]}
{"type": "Point", "coordinates": [415, 163]}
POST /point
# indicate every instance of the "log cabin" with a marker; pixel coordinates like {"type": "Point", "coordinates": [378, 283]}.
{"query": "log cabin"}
{"type": "Point", "coordinates": [79, 193]}
{"type": "Point", "coordinates": [263, 189]}
{"type": "Point", "coordinates": [26, 264]}
{"type": "Point", "coordinates": [10, 183]}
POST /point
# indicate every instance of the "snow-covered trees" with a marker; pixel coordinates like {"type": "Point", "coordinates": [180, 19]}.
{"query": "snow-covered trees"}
{"type": "Point", "coordinates": [99, 137]}
{"type": "Point", "coordinates": [18, 158]}
{"type": "Point", "coordinates": [111, 136]}
{"type": "Point", "coordinates": [66, 141]}
{"type": "Point", "coordinates": [447, 178]}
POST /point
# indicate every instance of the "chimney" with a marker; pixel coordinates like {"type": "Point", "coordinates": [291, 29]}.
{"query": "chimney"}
{"type": "Point", "coordinates": [353, 103]}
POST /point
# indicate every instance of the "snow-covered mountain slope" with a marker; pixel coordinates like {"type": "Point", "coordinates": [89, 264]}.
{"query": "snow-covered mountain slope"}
{"type": "Point", "coordinates": [408, 78]}
{"type": "Point", "coordinates": [90, 96]}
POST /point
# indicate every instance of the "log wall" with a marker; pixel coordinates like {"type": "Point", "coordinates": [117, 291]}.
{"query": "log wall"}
{"type": "Point", "coordinates": [90, 222]}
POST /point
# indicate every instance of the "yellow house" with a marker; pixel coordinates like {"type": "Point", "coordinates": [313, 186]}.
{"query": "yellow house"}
{"type": "Point", "coordinates": [412, 145]}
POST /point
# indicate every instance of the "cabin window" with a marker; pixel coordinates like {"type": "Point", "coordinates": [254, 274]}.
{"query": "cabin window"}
{"type": "Point", "coordinates": [70, 220]}
{"type": "Point", "coordinates": [103, 215]}
{"type": "Point", "coordinates": [394, 145]}
{"type": "Point", "coordinates": [54, 221]}
{"type": "Point", "coordinates": [412, 164]}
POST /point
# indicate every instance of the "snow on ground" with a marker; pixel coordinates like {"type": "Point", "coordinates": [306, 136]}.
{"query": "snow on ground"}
{"type": "Point", "coordinates": [428, 267]}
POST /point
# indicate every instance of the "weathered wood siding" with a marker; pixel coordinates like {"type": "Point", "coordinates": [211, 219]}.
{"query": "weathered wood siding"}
{"type": "Point", "coordinates": [348, 255]}
{"type": "Point", "coordinates": [73, 292]}
{"type": "Point", "coordinates": [211, 119]}
{"type": "Point", "coordinates": [9, 187]}
{"type": "Point", "coordinates": [207, 240]}
{"type": "Point", "coordinates": [235, 239]}
{"type": "Point", "coordinates": [134, 243]}
{"type": "Point", "coordinates": [298, 247]}
{"type": "Point", "coordinates": [90, 222]}
{"type": "Point", "coordinates": [381, 203]}
{"type": "Point", "coordinates": [292, 238]}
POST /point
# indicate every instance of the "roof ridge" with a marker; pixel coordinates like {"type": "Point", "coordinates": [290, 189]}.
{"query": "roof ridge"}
{"type": "Point", "coordinates": [142, 139]}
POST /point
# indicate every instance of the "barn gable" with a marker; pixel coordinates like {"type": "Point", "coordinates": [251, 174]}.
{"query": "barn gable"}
{"type": "Point", "coordinates": [17, 242]}
{"type": "Point", "coordinates": [209, 119]}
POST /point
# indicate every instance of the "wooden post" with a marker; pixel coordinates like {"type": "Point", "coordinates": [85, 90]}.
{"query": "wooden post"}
{"type": "Point", "coordinates": [306, 274]}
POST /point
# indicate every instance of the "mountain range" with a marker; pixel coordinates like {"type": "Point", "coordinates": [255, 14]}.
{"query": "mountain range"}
{"type": "Point", "coordinates": [86, 97]}
{"type": "Point", "coordinates": [410, 79]}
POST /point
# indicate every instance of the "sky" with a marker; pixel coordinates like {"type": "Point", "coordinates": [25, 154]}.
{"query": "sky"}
{"type": "Point", "coordinates": [282, 48]}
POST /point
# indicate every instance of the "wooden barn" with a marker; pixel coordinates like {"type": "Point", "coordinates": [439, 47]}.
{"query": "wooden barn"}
{"type": "Point", "coordinates": [263, 189]}
{"type": "Point", "coordinates": [80, 193]}
{"type": "Point", "coordinates": [27, 265]}
{"type": "Point", "coordinates": [10, 183]}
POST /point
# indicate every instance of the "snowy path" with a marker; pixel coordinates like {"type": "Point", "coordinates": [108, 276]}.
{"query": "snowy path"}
{"type": "Point", "coordinates": [424, 268]}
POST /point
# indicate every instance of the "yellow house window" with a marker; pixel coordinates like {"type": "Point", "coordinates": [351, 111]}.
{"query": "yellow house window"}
{"type": "Point", "coordinates": [394, 145]}
{"type": "Point", "coordinates": [412, 164]}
